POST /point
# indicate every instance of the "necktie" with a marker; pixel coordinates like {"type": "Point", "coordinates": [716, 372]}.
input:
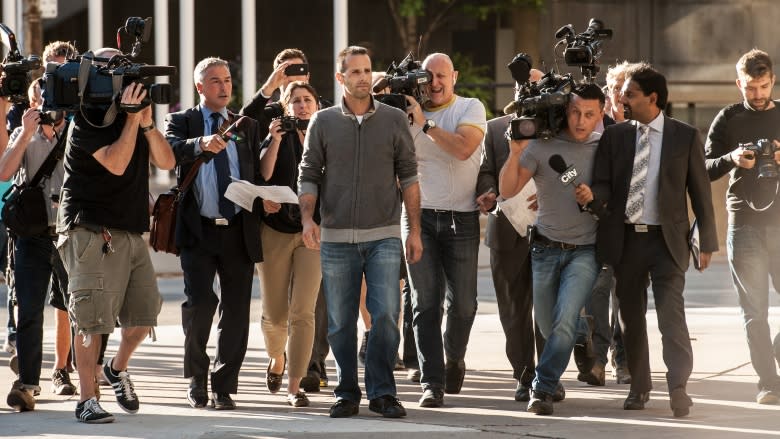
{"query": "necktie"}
{"type": "Point", "coordinates": [636, 192]}
{"type": "Point", "coordinates": [226, 208]}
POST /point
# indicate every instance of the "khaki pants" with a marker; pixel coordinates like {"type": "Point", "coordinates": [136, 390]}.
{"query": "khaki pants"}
{"type": "Point", "coordinates": [290, 280]}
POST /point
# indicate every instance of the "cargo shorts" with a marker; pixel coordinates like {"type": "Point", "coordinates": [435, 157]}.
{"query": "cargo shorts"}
{"type": "Point", "coordinates": [106, 287]}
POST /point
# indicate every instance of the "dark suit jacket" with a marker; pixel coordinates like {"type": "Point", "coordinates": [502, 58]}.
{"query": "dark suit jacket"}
{"type": "Point", "coordinates": [182, 131]}
{"type": "Point", "coordinates": [682, 170]}
{"type": "Point", "coordinates": [499, 232]}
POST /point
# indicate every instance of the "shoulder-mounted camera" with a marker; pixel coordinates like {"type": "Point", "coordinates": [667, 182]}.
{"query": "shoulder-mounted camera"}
{"type": "Point", "coordinates": [583, 50]}
{"type": "Point", "coordinates": [90, 82]}
{"type": "Point", "coordinates": [406, 78]}
{"type": "Point", "coordinates": [17, 70]}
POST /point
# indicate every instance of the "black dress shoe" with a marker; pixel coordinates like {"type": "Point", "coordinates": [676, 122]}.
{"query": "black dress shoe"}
{"type": "Point", "coordinates": [274, 380]}
{"type": "Point", "coordinates": [680, 402]}
{"type": "Point", "coordinates": [222, 401]}
{"type": "Point", "coordinates": [343, 408]}
{"type": "Point", "coordinates": [197, 395]}
{"type": "Point", "coordinates": [387, 406]}
{"type": "Point", "coordinates": [311, 382]}
{"type": "Point", "coordinates": [636, 400]}
{"type": "Point", "coordinates": [454, 372]}
{"type": "Point", "coordinates": [522, 393]}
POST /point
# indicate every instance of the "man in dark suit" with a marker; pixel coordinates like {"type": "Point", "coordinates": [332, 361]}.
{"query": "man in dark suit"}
{"type": "Point", "coordinates": [644, 232]}
{"type": "Point", "coordinates": [214, 235]}
{"type": "Point", "coordinates": [510, 263]}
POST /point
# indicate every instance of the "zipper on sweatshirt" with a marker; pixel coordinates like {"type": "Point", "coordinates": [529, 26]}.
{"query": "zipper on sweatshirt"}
{"type": "Point", "coordinates": [356, 180]}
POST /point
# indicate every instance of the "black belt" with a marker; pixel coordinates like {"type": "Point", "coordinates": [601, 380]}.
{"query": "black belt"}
{"type": "Point", "coordinates": [643, 228]}
{"type": "Point", "coordinates": [219, 222]}
{"type": "Point", "coordinates": [547, 242]}
{"type": "Point", "coordinates": [450, 212]}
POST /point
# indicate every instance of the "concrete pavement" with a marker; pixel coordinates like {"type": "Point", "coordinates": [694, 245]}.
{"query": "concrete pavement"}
{"type": "Point", "coordinates": [722, 387]}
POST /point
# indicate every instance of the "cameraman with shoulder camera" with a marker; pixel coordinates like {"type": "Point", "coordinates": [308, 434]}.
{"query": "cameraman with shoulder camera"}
{"type": "Point", "coordinates": [36, 259]}
{"type": "Point", "coordinates": [104, 210]}
{"type": "Point", "coordinates": [735, 145]}
{"type": "Point", "coordinates": [563, 255]}
{"type": "Point", "coordinates": [447, 134]}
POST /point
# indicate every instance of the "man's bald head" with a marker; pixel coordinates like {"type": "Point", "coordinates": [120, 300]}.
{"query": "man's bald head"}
{"type": "Point", "coordinates": [444, 77]}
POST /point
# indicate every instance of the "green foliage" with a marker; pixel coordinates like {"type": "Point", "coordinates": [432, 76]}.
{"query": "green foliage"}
{"type": "Point", "coordinates": [473, 81]}
{"type": "Point", "coordinates": [475, 8]}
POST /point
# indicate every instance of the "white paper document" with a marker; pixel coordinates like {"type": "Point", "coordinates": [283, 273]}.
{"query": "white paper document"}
{"type": "Point", "coordinates": [243, 193]}
{"type": "Point", "coordinates": [517, 211]}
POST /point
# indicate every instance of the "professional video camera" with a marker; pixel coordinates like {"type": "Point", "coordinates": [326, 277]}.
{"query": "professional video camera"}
{"type": "Point", "coordinates": [583, 50]}
{"type": "Point", "coordinates": [764, 152]}
{"type": "Point", "coordinates": [539, 107]}
{"type": "Point", "coordinates": [274, 111]}
{"type": "Point", "coordinates": [89, 82]}
{"type": "Point", "coordinates": [16, 69]}
{"type": "Point", "coordinates": [408, 78]}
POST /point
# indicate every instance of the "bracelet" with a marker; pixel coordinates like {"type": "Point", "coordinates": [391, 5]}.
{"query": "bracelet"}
{"type": "Point", "coordinates": [147, 129]}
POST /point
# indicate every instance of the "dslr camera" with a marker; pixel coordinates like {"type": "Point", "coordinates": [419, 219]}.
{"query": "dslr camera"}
{"type": "Point", "coordinates": [583, 50]}
{"type": "Point", "coordinates": [539, 107]}
{"type": "Point", "coordinates": [97, 83]}
{"type": "Point", "coordinates": [289, 124]}
{"type": "Point", "coordinates": [17, 70]}
{"type": "Point", "coordinates": [407, 78]}
{"type": "Point", "coordinates": [764, 152]}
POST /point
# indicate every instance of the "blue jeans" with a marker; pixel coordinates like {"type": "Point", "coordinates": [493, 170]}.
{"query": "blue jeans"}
{"type": "Point", "coordinates": [35, 260]}
{"type": "Point", "coordinates": [446, 274]}
{"type": "Point", "coordinates": [563, 281]}
{"type": "Point", "coordinates": [343, 267]}
{"type": "Point", "coordinates": [754, 255]}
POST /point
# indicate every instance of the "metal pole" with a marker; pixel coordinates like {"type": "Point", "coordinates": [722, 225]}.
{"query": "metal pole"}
{"type": "Point", "coordinates": [161, 37]}
{"type": "Point", "coordinates": [9, 18]}
{"type": "Point", "coordinates": [95, 19]}
{"type": "Point", "coordinates": [187, 57]}
{"type": "Point", "coordinates": [248, 50]}
{"type": "Point", "coordinates": [340, 39]}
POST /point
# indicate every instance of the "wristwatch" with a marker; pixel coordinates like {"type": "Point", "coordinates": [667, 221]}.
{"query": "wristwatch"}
{"type": "Point", "coordinates": [428, 125]}
{"type": "Point", "coordinates": [147, 129]}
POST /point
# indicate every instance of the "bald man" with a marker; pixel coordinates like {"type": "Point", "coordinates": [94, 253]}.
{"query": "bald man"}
{"type": "Point", "coordinates": [448, 135]}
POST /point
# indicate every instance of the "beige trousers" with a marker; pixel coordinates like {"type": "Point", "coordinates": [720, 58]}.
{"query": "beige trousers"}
{"type": "Point", "coordinates": [290, 280]}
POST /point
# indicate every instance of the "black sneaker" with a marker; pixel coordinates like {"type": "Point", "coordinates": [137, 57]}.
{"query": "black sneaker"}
{"type": "Point", "coordinates": [541, 403]}
{"type": "Point", "coordinates": [454, 371]}
{"type": "Point", "coordinates": [60, 383]}
{"type": "Point", "coordinates": [20, 398]}
{"type": "Point", "coordinates": [388, 406]}
{"type": "Point", "coordinates": [123, 388]}
{"type": "Point", "coordinates": [432, 397]}
{"type": "Point", "coordinates": [343, 408]}
{"type": "Point", "coordinates": [90, 412]}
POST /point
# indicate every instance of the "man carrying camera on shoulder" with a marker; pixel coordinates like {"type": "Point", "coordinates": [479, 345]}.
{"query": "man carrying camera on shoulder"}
{"type": "Point", "coordinates": [448, 135]}
{"type": "Point", "coordinates": [563, 255]}
{"type": "Point", "coordinates": [104, 210]}
{"type": "Point", "coordinates": [743, 142]}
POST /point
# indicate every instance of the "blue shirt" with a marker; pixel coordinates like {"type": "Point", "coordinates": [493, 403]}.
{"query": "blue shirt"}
{"type": "Point", "coordinates": [206, 188]}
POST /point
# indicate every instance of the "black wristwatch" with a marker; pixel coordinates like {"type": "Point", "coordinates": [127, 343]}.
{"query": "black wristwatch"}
{"type": "Point", "coordinates": [428, 125]}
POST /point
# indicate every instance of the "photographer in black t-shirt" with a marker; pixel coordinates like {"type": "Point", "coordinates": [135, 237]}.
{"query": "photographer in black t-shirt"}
{"type": "Point", "coordinates": [103, 212]}
{"type": "Point", "coordinates": [753, 205]}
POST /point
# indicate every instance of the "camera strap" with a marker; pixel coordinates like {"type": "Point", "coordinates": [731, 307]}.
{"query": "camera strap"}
{"type": "Point", "coordinates": [56, 154]}
{"type": "Point", "coordinates": [761, 209]}
{"type": "Point", "coordinates": [116, 85]}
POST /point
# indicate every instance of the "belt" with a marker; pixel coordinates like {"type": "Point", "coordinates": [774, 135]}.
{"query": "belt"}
{"type": "Point", "coordinates": [547, 242]}
{"type": "Point", "coordinates": [218, 222]}
{"type": "Point", "coordinates": [449, 212]}
{"type": "Point", "coordinates": [643, 228]}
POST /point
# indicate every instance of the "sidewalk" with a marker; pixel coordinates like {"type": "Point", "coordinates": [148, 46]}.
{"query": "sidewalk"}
{"type": "Point", "coordinates": [722, 387]}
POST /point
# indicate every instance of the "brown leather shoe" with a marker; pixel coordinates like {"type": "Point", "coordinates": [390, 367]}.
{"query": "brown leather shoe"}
{"type": "Point", "coordinates": [680, 402]}
{"type": "Point", "coordinates": [595, 377]}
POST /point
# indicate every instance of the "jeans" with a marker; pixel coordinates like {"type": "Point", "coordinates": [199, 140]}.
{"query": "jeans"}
{"type": "Point", "coordinates": [445, 276]}
{"type": "Point", "coordinates": [343, 267]}
{"type": "Point", "coordinates": [35, 260]}
{"type": "Point", "coordinates": [754, 255]}
{"type": "Point", "coordinates": [562, 283]}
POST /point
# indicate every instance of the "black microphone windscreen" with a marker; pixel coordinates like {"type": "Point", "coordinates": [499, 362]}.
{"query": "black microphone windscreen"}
{"type": "Point", "coordinates": [557, 163]}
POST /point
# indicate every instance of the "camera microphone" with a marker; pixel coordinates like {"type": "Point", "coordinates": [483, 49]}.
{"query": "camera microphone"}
{"type": "Point", "coordinates": [380, 85]}
{"type": "Point", "coordinates": [510, 107]}
{"type": "Point", "coordinates": [568, 174]}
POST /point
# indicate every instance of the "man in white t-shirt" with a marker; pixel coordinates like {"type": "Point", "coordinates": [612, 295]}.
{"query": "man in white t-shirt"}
{"type": "Point", "coordinates": [448, 134]}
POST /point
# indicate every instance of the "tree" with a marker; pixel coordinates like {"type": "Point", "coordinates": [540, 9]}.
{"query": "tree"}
{"type": "Point", "coordinates": [421, 18]}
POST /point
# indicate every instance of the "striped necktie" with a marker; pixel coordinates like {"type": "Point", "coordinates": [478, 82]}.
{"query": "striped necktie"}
{"type": "Point", "coordinates": [222, 167]}
{"type": "Point", "coordinates": [636, 192]}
